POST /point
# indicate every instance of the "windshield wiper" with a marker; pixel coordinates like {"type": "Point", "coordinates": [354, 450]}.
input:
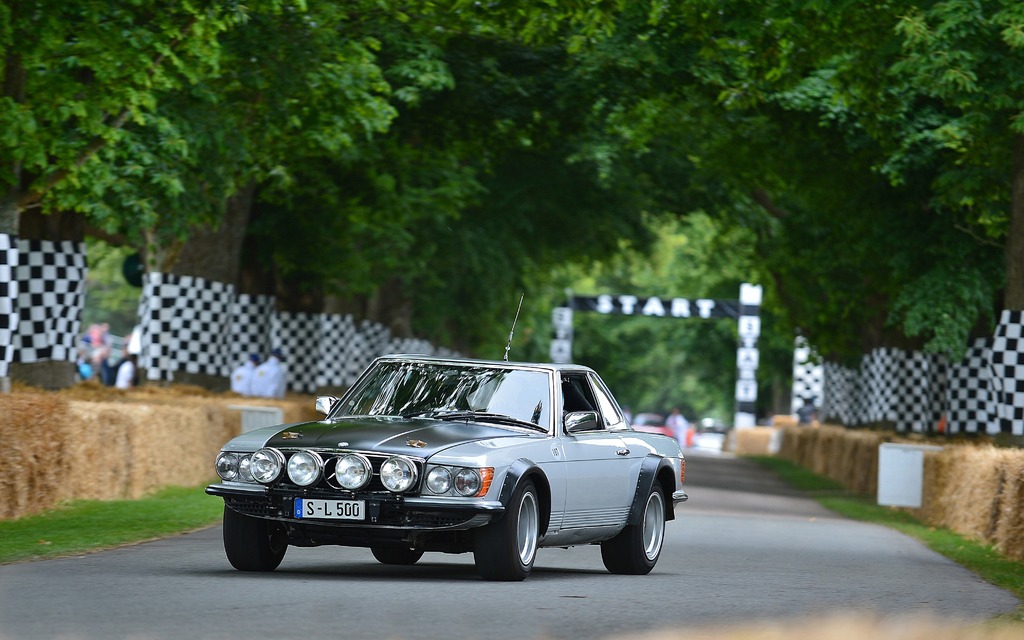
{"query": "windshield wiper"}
{"type": "Point", "coordinates": [485, 416]}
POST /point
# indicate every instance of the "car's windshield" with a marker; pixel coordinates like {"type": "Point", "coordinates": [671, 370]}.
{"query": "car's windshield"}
{"type": "Point", "coordinates": [427, 388]}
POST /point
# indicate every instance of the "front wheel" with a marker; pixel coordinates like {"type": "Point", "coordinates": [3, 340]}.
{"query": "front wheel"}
{"type": "Point", "coordinates": [506, 548]}
{"type": "Point", "coordinates": [253, 544]}
{"type": "Point", "coordinates": [394, 555]}
{"type": "Point", "coordinates": [635, 550]}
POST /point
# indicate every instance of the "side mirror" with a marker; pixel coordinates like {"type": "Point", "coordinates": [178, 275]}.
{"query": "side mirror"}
{"type": "Point", "coordinates": [324, 404]}
{"type": "Point", "coordinates": [580, 421]}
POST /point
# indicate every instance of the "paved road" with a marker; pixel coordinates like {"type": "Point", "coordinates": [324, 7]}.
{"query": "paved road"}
{"type": "Point", "coordinates": [745, 549]}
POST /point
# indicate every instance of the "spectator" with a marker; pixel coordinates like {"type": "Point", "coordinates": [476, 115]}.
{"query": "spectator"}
{"type": "Point", "coordinates": [271, 378]}
{"type": "Point", "coordinates": [126, 372]}
{"type": "Point", "coordinates": [242, 377]}
{"type": "Point", "coordinates": [679, 426]}
{"type": "Point", "coordinates": [807, 413]}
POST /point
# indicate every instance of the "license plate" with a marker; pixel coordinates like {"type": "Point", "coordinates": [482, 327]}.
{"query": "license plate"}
{"type": "Point", "coordinates": [330, 509]}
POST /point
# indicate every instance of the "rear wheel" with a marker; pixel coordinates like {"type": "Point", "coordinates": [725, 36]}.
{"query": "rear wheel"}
{"type": "Point", "coordinates": [636, 549]}
{"type": "Point", "coordinates": [253, 544]}
{"type": "Point", "coordinates": [394, 555]}
{"type": "Point", "coordinates": [506, 548]}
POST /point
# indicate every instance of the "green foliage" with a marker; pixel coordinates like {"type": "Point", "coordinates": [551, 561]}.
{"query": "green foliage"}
{"type": "Point", "coordinates": [79, 73]}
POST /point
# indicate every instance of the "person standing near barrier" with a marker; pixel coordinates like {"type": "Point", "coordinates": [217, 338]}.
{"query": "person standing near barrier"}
{"type": "Point", "coordinates": [241, 377]}
{"type": "Point", "coordinates": [126, 372]}
{"type": "Point", "coordinates": [680, 427]}
{"type": "Point", "coordinates": [270, 379]}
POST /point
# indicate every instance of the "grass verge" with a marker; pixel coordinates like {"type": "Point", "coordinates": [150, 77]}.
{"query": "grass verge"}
{"type": "Point", "coordinates": [984, 560]}
{"type": "Point", "coordinates": [89, 525]}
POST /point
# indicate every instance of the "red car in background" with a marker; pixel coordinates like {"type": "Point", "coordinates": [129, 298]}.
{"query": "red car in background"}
{"type": "Point", "coordinates": [651, 423]}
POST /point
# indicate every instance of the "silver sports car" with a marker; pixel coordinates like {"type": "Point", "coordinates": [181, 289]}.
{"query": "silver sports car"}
{"type": "Point", "coordinates": [431, 454]}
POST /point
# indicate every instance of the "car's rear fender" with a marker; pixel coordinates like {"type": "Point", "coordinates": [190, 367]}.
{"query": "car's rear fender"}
{"type": "Point", "coordinates": [524, 469]}
{"type": "Point", "coordinates": [653, 469]}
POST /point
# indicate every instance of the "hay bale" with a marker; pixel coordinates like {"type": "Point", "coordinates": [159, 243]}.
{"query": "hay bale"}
{"type": "Point", "coordinates": [1008, 533]}
{"type": "Point", "coordinates": [969, 500]}
{"type": "Point", "coordinates": [754, 441]}
{"type": "Point", "coordinates": [97, 442]}
{"type": "Point", "coordinates": [27, 420]}
{"type": "Point", "coordinates": [784, 420]}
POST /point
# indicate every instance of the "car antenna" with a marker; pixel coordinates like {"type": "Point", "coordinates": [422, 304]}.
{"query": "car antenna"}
{"type": "Point", "coordinates": [513, 330]}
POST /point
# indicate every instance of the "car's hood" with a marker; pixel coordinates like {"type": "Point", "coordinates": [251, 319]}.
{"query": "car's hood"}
{"type": "Point", "coordinates": [416, 437]}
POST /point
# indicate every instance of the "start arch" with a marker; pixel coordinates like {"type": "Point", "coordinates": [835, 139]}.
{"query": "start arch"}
{"type": "Point", "coordinates": [746, 312]}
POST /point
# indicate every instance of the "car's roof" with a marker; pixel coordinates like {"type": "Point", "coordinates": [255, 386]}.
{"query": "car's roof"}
{"type": "Point", "coordinates": [547, 366]}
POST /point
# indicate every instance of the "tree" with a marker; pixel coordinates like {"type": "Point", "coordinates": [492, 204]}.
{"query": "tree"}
{"type": "Point", "coordinates": [77, 74]}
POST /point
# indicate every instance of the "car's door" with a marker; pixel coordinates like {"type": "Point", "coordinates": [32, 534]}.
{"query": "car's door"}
{"type": "Point", "coordinates": [598, 489]}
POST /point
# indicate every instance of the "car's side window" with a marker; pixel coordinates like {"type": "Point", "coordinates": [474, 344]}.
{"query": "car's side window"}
{"type": "Point", "coordinates": [576, 394]}
{"type": "Point", "coordinates": [613, 418]}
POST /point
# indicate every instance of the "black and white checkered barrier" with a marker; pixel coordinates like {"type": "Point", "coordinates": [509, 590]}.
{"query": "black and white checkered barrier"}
{"type": "Point", "coordinates": [8, 300]}
{"type": "Point", "coordinates": [186, 326]}
{"type": "Point", "coordinates": [50, 292]}
{"type": "Point", "coordinates": [251, 324]}
{"type": "Point", "coordinates": [1007, 362]}
{"type": "Point", "coordinates": [200, 326]}
{"type": "Point", "coordinates": [972, 401]}
{"type": "Point", "coordinates": [983, 393]}
{"type": "Point", "coordinates": [808, 376]}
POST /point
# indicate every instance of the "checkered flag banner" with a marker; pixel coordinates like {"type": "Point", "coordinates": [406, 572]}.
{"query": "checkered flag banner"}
{"type": "Point", "coordinates": [50, 288]}
{"type": "Point", "coordinates": [251, 320]}
{"type": "Point", "coordinates": [186, 325]}
{"type": "Point", "coordinates": [971, 396]}
{"type": "Point", "coordinates": [8, 300]}
{"type": "Point", "coordinates": [807, 376]}
{"type": "Point", "coordinates": [1007, 362]}
{"type": "Point", "coordinates": [337, 332]}
{"type": "Point", "coordinates": [982, 393]}
{"type": "Point", "coordinates": [299, 336]}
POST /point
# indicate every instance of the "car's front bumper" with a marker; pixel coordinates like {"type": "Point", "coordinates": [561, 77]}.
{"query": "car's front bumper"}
{"type": "Point", "coordinates": [679, 496]}
{"type": "Point", "coordinates": [382, 511]}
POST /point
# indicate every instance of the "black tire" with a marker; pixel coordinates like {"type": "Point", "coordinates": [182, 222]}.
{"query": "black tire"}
{"type": "Point", "coordinates": [506, 548]}
{"type": "Point", "coordinates": [253, 544]}
{"type": "Point", "coordinates": [394, 555]}
{"type": "Point", "coordinates": [635, 550]}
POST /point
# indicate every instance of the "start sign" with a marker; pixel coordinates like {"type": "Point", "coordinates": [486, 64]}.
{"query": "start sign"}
{"type": "Point", "coordinates": [657, 307]}
{"type": "Point", "coordinates": [746, 311]}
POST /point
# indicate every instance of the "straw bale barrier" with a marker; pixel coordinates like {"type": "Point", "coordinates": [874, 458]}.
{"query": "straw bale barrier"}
{"type": "Point", "coordinates": [753, 441]}
{"type": "Point", "coordinates": [104, 444]}
{"type": "Point", "coordinates": [972, 488]}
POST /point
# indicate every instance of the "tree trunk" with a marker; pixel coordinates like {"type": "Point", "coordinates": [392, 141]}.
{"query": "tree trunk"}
{"type": "Point", "coordinates": [392, 307]}
{"type": "Point", "coordinates": [215, 254]}
{"type": "Point", "coordinates": [9, 212]}
{"type": "Point", "coordinates": [1014, 295]}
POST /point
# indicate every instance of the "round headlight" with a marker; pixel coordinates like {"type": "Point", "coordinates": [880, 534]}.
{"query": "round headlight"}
{"type": "Point", "coordinates": [352, 472]}
{"type": "Point", "coordinates": [244, 472]}
{"type": "Point", "coordinates": [266, 465]}
{"type": "Point", "coordinates": [304, 467]}
{"type": "Point", "coordinates": [398, 474]}
{"type": "Point", "coordinates": [468, 482]}
{"type": "Point", "coordinates": [227, 466]}
{"type": "Point", "coordinates": [439, 480]}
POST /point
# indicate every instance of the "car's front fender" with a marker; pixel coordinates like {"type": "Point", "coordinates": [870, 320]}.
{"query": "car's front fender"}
{"type": "Point", "coordinates": [519, 471]}
{"type": "Point", "coordinates": [652, 467]}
